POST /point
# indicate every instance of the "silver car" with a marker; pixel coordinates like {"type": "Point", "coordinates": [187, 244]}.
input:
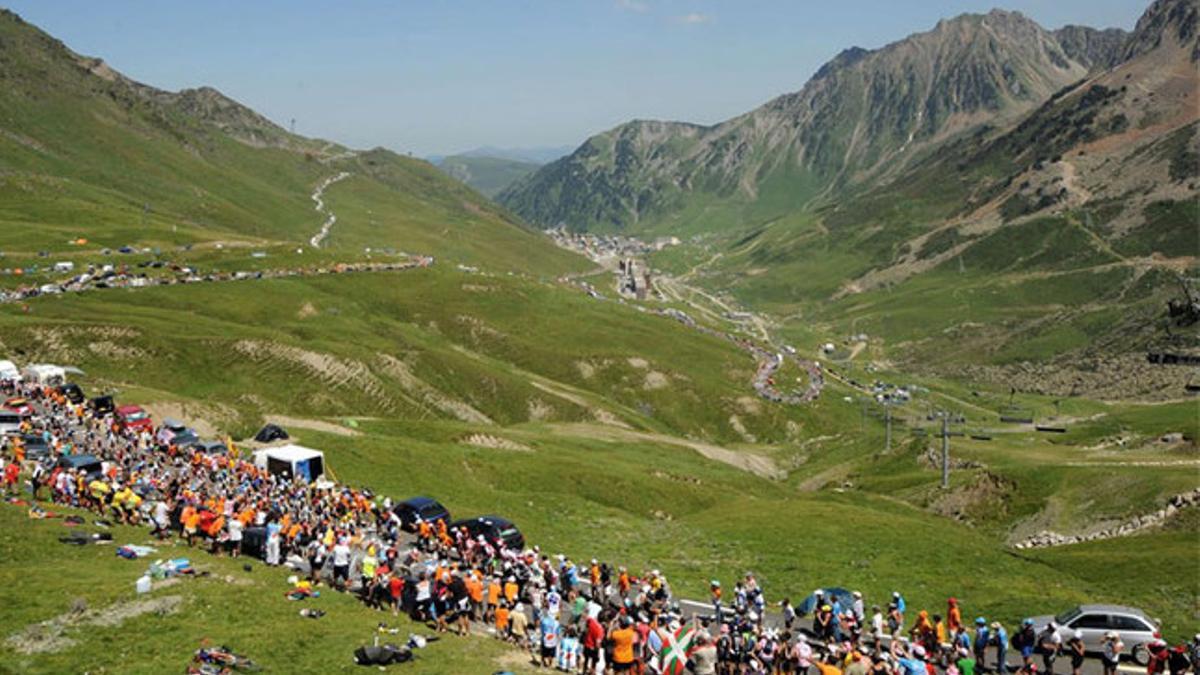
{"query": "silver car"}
{"type": "Point", "coordinates": [1135, 628]}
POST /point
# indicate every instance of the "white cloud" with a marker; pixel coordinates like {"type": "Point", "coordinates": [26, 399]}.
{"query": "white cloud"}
{"type": "Point", "coordinates": [695, 18]}
{"type": "Point", "coordinates": [633, 6]}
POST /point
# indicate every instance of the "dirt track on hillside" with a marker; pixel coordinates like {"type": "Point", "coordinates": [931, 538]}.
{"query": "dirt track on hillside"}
{"type": "Point", "coordinates": [746, 461]}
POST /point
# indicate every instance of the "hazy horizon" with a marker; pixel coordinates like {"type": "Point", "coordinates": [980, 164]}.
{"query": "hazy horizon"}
{"type": "Point", "coordinates": [441, 80]}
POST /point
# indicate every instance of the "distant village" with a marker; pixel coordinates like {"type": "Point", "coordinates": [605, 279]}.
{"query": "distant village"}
{"type": "Point", "coordinates": [635, 279]}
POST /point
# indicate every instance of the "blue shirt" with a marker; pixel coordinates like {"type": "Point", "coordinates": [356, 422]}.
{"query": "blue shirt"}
{"type": "Point", "coordinates": [549, 628]}
{"type": "Point", "coordinates": [981, 638]}
{"type": "Point", "coordinates": [913, 667]}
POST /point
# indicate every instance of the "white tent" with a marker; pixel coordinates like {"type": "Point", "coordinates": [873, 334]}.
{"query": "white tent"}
{"type": "Point", "coordinates": [292, 461]}
{"type": "Point", "coordinates": [9, 372]}
{"type": "Point", "coordinates": [44, 373]}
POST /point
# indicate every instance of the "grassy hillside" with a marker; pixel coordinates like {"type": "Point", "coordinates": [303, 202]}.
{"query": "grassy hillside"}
{"type": "Point", "coordinates": [87, 153]}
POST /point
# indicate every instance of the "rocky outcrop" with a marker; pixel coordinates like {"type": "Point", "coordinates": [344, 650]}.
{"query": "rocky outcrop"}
{"type": "Point", "coordinates": [1134, 525]}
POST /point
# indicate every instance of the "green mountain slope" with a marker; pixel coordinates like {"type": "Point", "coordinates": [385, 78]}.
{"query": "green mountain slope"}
{"type": "Point", "coordinates": [86, 152]}
{"type": "Point", "coordinates": [863, 117]}
{"type": "Point", "coordinates": [1054, 240]}
{"type": "Point", "coordinates": [488, 175]}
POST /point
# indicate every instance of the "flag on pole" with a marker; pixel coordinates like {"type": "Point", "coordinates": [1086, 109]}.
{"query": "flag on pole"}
{"type": "Point", "coordinates": [676, 649]}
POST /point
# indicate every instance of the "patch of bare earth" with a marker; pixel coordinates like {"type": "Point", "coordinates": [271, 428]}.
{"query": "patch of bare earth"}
{"type": "Point", "coordinates": [746, 461]}
{"type": "Point", "coordinates": [205, 418]}
{"type": "Point", "coordinates": [313, 425]}
{"type": "Point", "coordinates": [655, 380]}
{"type": "Point", "coordinates": [428, 395]}
{"type": "Point", "coordinates": [495, 443]}
{"type": "Point", "coordinates": [51, 635]}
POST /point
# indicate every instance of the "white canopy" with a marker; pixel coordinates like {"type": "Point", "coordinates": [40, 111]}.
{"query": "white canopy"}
{"type": "Point", "coordinates": [295, 460]}
{"type": "Point", "coordinates": [44, 373]}
{"type": "Point", "coordinates": [8, 371]}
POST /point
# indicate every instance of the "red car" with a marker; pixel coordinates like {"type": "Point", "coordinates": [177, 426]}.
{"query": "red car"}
{"type": "Point", "coordinates": [20, 406]}
{"type": "Point", "coordinates": [132, 417]}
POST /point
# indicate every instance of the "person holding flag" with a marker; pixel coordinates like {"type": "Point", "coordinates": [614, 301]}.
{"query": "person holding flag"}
{"type": "Point", "coordinates": [677, 648]}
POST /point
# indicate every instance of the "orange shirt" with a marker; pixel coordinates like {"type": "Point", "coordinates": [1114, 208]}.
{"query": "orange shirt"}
{"type": "Point", "coordinates": [502, 619]}
{"type": "Point", "coordinates": [493, 593]}
{"type": "Point", "coordinates": [475, 589]}
{"type": "Point", "coordinates": [623, 639]}
{"type": "Point", "coordinates": [510, 591]}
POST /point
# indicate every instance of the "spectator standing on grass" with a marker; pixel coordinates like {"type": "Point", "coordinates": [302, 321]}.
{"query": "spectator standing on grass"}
{"type": "Point", "coordinates": [519, 626]}
{"type": "Point", "coordinates": [234, 542]}
{"type": "Point", "coordinates": [548, 630]}
{"type": "Point", "coordinates": [341, 563]}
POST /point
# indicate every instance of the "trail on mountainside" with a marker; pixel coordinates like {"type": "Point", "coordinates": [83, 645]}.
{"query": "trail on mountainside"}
{"type": "Point", "coordinates": [318, 197]}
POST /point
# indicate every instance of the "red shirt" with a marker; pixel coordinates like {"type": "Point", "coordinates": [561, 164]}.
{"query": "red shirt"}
{"type": "Point", "coordinates": [594, 635]}
{"type": "Point", "coordinates": [396, 587]}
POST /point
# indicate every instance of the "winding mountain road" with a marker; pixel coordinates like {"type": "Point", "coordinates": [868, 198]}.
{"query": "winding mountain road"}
{"type": "Point", "coordinates": [318, 197]}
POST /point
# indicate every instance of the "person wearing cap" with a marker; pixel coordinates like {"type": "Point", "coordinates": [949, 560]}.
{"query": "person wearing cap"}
{"type": "Point", "coordinates": [593, 639]}
{"type": "Point", "coordinates": [548, 631]}
{"type": "Point", "coordinates": [624, 638]}
{"type": "Point", "coordinates": [1049, 643]}
{"type": "Point", "coordinates": [953, 615]}
{"type": "Point", "coordinates": [801, 655]}
{"type": "Point", "coordinates": [982, 639]}
{"type": "Point", "coordinates": [714, 593]}
{"type": "Point", "coordinates": [1000, 639]}
{"type": "Point", "coordinates": [877, 625]}
{"type": "Point", "coordinates": [823, 622]}
{"type": "Point", "coordinates": [1076, 650]}
{"type": "Point", "coordinates": [1110, 652]}
{"type": "Point", "coordinates": [1026, 641]}
{"type": "Point", "coordinates": [859, 608]}
{"type": "Point", "coordinates": [703, 657]}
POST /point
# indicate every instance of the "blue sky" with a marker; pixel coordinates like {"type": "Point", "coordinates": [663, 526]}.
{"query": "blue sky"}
{"type": "Point", "coordinates": [437, 76]}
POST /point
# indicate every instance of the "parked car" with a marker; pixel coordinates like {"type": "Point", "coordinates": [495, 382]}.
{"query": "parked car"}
{"type": "Point", "coordinates": [175, 432]}
{"type": "Point", "coordinates": [19, 405]}
{"type": "Point", "coordinates": [1135, 628]}
{"type": "Point", "coordinates": [103, 405]}
{"type": "Point", "coordinates": [210, 447]}
{"type": "Point", "coordinates": [90, 464]}
{"type": "Point", "coordinates": [133, 417]}
{"type": "Point", "coordinates": [427, 508]}
{"type": "Point", "coordinates": [494, 529]}
{"type": "Point", "coordinates": [72, 392]}
{"type": "Point", "coordinates": [35, 445]}
{"type": "Point", "coordinates": [10, 423]}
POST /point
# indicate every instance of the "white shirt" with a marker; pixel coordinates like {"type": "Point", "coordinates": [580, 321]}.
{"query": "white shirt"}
{"type": "Point", "coordinates": [235, 530]}
{"type": "Point", "coordinates": [341, 555]}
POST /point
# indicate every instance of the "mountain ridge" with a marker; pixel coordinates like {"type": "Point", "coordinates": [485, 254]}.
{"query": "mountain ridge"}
{"type": "Point", "coordinates": [863, 115]}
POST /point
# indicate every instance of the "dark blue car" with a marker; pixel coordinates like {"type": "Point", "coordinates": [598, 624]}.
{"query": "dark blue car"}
{"type": "Point", "coordinates": [427, 508]}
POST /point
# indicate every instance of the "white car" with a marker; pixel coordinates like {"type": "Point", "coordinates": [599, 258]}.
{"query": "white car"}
{"type": "Point", "coordinates": [1135, 628]}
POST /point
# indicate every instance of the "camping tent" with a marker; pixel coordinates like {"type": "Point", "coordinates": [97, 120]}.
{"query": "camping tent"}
{"type": "Point", "coordinates": [9, 372]}
{"type": "Point", "coordinates": [829, 595]}
{"type": "Point", "coordinates": [44, 373]}
{"type": "Point", "coordinates": [271, 433]}
{"type": "Point", "coordinates": [291, 460]}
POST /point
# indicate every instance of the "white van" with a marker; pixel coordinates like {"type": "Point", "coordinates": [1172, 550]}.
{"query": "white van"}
{"type": "Point", "coordinates": [10, 423]}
